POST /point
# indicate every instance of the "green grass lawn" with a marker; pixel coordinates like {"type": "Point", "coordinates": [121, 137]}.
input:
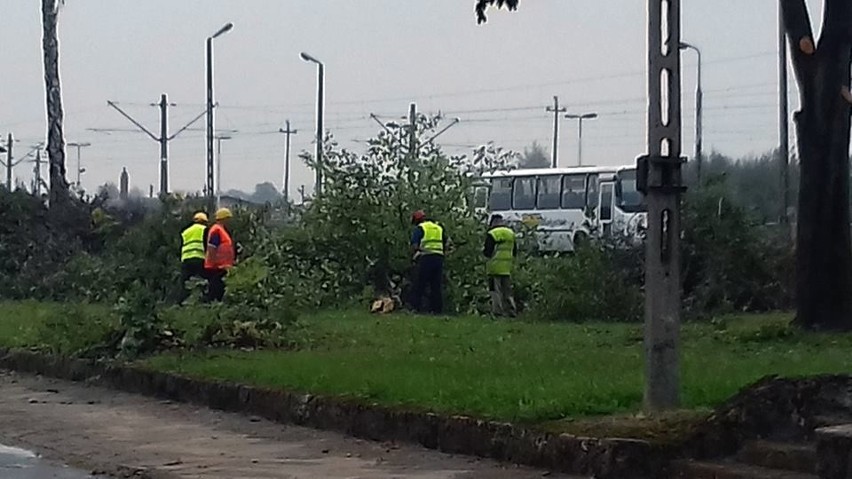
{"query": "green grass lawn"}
{"type": "Point", "coordinates": [528, 372]}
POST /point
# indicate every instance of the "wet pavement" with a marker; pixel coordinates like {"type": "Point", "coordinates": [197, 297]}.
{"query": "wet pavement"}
{"type": "Point", "coordinates": [126, 435]}
{"type": "Point", "coordinates": [22, 464]}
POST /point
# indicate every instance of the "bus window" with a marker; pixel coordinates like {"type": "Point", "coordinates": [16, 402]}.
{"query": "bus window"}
{"type": "Point", "coordinates": [523, 194]}
{"type": "Point", "coordinates": [480, 197]}
{"type": "Point", "coordinates": [574, 192]}
{"type": "Point", "coordinates": [548, 192]}
{"type": "Point", "coordinates": [606, 202]}
{"type": "Point", "coordinates": [501, 194]}
{"type": "Point", "coordinates": [627, 197]}
{"type": "Point", "coordinates": [592, 195]}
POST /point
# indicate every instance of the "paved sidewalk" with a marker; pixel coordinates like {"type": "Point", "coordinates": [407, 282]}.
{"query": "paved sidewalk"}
{"type": "Point", "coordinates": [121, 433]}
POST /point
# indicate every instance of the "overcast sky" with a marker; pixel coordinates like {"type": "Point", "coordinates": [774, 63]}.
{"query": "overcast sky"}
{"type": "Point", "coordinates": [380, 55]}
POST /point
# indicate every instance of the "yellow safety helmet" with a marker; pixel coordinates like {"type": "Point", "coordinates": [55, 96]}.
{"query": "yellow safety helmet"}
{"type": "Point", "coordinates": [200, 217]}
{"type": "Point", "coordinates": [223, 214]}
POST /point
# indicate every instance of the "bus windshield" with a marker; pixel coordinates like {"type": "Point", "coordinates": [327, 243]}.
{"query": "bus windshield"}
{"type": "Point", "coordinates": [629, 198]}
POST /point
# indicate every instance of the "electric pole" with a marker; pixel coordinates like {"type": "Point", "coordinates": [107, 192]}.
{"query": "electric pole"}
{"type": "Point", "coordinates": [287, 132]}
{"type": "Point", "coordinates": [412, 133]}
{"type": "Point", "coordinates": [659, 178]}
{"type": "Point", "coordinates": [37, 174]}
{"type": "Point", "coordinates": [556, 111]}
{"type": "Point", "coordinates": [164, 144]}
{"type": "Point", "coordinates": [9, 163]}
{"type": "Point", "coordinates": [783, 120]}
{"type": "Point", "coordinates": [163, 139]}
{"type": "Point", "coordinates": [124, 184]}
{"type": "Point", "coordinates": [219, 140]}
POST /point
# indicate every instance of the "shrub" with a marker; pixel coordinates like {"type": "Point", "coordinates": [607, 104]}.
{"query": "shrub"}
{"type": "Point", "coordinates": [584, 286]}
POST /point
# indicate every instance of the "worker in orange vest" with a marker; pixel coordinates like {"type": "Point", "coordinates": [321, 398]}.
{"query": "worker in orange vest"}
{"type": "Point", "coordinates": [220, 256]}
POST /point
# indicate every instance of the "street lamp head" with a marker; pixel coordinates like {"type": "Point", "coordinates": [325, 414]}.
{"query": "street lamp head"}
{"type": "Point", "coordinates": [585, 116]}
{"type": "Point", "coordinates": [688, 46]}
{"type": "Point", "coordinates": [308, 58]}
{"type": "Point", "coordinates": [227, 28]}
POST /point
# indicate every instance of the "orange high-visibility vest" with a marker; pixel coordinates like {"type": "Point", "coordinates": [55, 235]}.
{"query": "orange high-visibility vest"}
{"type": "Point", "coordinates": [223, 256]}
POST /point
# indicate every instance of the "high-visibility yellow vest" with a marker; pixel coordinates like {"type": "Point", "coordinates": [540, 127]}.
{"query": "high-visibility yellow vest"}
{"type": "Point", "coordinates": [433, 238]}
{"type": "Point", "coordinates": [500, 264]}
{"type": "Point", "coordinates": [192, 244]}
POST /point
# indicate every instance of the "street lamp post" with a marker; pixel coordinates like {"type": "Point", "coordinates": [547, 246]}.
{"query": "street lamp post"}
{"type": "Point", "coordinates": [219, 140]}
{"type": "Point", "coordinates": [210, 186]}
{"type": "Point", "coordinates": [580, 119]}
{"type": "Point", "coordinates": [699, 105]}
{"type": "Point", "coordinates": [320, 93]}
{"type": "Point", "coordinates": [80, 169]}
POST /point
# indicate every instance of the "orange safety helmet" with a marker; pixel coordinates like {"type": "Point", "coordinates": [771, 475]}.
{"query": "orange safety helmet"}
{"type": "Point", "coordinates": [418, 216]}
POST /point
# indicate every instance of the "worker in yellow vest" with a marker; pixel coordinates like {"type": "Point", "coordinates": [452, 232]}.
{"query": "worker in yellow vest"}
{"type": "Point", "coordinates": [221, 254]}
{"type": "Point", "coordinates": [429, 245]}
{"type": "Point", "coordinates": [192, 247]}
{"type": "Point", "coordinates": [501, 250]}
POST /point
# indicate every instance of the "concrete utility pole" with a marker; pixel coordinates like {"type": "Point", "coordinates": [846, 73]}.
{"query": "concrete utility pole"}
{"type": "Point", "coordinates": [580, 119]}
{"type": "Point", "coordinates": [287, 132]}
{"type": "Point", "coordinates": [783, 121]}
{"type": "Point", "coordinates": [9, 162]}
{"type": "Point", "coordinates": [37, 174]}
{"type": "Point", "coordinates": [660, 180]}
{"type": "Point", "coordinates": [124, 182]}
{"type": "Point", "coordinates": [219, 140]}
{"type": "Point", "coordinates": [164, 144]}
{"type": "Point", "coordinates": [412, 133]}
{"type": "Point", "coordinates": [554, 163]}
{"type": "Point", "coordinates": [163, 139]}
{"type": "Point", "coordinates": [80, 169]}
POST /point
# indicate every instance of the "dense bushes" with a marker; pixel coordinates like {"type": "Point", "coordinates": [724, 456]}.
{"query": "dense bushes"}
{"type": "Point", "coordinates": [730, 262]}
{"type": "Point", "coordinates": [352, 244]}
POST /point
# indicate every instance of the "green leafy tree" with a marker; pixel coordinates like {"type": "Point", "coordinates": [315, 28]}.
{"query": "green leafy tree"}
{"type": "Point", "coordinates": [535, 156]}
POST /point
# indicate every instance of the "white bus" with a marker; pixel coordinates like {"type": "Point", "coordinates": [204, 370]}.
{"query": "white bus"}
{"type": "Point", "coordinates": [566, 205]}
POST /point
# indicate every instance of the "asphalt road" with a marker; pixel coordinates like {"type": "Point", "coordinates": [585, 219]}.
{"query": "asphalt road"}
{"type": "Point", "coordinates": [113, 432]}
{"type": "Point", "coordinates": [22, 464]}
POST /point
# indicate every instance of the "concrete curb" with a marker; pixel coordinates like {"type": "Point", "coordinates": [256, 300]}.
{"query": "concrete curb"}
{"type": "Point", "coordinates": [601, 458]}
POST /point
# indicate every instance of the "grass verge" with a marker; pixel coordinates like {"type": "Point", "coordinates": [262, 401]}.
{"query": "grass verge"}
{"type": "Point", "coordinates": [532, 373]}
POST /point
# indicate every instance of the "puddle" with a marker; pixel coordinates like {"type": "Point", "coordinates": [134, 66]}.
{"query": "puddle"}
{"type": "Point", "coordinates": [17, 463]}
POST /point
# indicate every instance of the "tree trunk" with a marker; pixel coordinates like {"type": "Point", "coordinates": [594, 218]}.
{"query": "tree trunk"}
{"type": "Point", "coordinates": [53, 93]}
{"type": "Point", "coordinates": [824, 243]}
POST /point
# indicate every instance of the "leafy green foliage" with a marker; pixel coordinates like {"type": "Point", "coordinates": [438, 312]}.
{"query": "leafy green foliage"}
{"type": "Point", "coordinates": [729, 262]}
{"type": "Point", "coordinates": [585, 286]}
{"type": "Point", "coordinates": [482, 6]}
{"type": "Point", "coordinates": [354, 239]}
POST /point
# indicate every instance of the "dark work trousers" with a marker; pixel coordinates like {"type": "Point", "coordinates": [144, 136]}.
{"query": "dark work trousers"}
{"type": "Point", "coordinates": [216, 284]}
{"type": "Point", "coordinates": [502, 302]}
{"type": "Point", "coordinates": [428, 295]}
{"type": "Point", "coordinates": [191, 268]}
